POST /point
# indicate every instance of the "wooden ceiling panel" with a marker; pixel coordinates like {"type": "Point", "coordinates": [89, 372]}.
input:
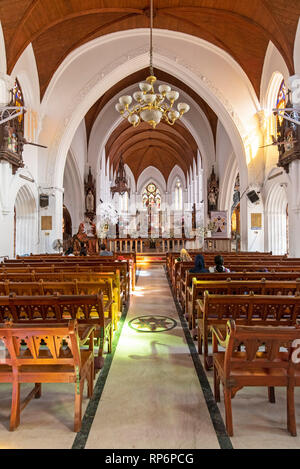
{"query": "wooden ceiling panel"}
{"type": "Point", "coordinates": [163, 148]}
{"type": "Point", "coordinates": [64, 36]}
{"type": "Point", "coordinates": [240, 27]}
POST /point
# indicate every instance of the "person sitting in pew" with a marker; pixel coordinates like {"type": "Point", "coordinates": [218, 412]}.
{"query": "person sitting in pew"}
{"type": "Point", "coordinates": [69, 252]}
{"type": "Point", "coordinates": [104, 251]}
{"type": "Point", "coordinates": [199, 265]}
{"type": "Point", "coordinates": [83, 250]}
{"type": "Point", "coordinates": [219, 265]}
{"type": "Point", "coordinates": [184, 256]}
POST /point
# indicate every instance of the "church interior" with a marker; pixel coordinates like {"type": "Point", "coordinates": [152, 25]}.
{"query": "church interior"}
{"type": "Point", "coordinates": [150, 218]}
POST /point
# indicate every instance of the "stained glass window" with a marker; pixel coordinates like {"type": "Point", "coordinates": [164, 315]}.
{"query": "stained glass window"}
{"type": "Point", "coordinates": [151, 196]}
{"type": "Point", "coordinates": [281, 100]}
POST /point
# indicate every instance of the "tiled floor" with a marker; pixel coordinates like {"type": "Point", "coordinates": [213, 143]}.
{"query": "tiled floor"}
{"type": "Point", "coordinates": [152, 397]}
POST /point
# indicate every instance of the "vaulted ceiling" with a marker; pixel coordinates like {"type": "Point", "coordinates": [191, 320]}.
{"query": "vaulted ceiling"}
{"type": "Point", "coordinates": [242, 28]}
{"type": "Point", "coordinates": [142, 147]}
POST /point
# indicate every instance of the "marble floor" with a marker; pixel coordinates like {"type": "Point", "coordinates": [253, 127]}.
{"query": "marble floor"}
{"type": "Point", "coordinates": [152, 393]}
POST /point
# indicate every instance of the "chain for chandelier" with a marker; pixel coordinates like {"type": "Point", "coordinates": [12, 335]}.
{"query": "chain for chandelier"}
{"type": "Point", "coordinates": [151, 107]}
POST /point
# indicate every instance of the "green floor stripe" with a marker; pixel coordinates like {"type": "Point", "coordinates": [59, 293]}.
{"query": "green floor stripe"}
{"type": "Point", "coordinates": [215, 414]}
{"type": "Point", "coordinates": [87, 421]}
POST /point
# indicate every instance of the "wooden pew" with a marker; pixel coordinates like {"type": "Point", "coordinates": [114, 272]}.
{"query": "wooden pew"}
{"type": "Point", "coordinates": [86, 309]}
{"type": "Point", "coordinates": [264, 310]}
{"type": "Point", "coordinates": [43, 353]}
{"type": "Point", "coordinates": [121, 268]}
{"type": "Point", "coordinates": [186, 284]}
{"type": "Point", "coordinates": [126, 268]}
{"type": "Point", "coordinates": [74, 287]}
{"type": "Point", "coordinates": [264, 361]}
{"type": "Point", "coordinates": [62, 276]}
{"type": "Point", "coordinates": [236, 287]}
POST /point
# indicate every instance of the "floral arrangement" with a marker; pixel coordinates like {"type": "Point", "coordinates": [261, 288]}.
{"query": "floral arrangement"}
{"type": "Point", "coordinates": [202, 231]}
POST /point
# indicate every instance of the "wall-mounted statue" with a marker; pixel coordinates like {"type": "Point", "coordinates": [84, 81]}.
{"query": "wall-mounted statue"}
{"type": "Point", "coordinates": [12, 133]}
{"type": "Point", "coordinates": [90, 195]}
{"type": "Point", "coordinates": [212, 192]}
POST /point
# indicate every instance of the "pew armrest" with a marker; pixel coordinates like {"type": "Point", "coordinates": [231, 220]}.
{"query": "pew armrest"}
{"type": "Point", "coordinates": [107, 306]}
{"type": "Point", "coordinates": [217, 333]}
{"type": "Point", "coordinates": [85, 333]}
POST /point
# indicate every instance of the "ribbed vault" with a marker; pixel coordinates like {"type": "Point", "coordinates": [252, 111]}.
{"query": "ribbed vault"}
{"type": "Point", "coordinates": [163, 147]}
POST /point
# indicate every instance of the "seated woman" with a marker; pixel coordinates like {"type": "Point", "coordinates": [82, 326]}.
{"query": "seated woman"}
{"type": "Point", "coordinates": [199, 265]}
{"type": "Point", "coordinates": [219, 265]}
{"type": "Point", "coordinates": [184, 256]}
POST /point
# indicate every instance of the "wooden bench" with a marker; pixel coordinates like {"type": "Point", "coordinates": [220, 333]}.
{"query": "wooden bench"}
{"type": "Point", "coordinates": [122, 282]}
{"type": "Point", "coordinates": [216, 310]}
{"type": "Point", "coordinates": [86, 309]}
{"type": "Point", "coordinates": [235, 287]}
{"type": "Point", "coordinates": [43, 353]}
{"type": "Point", "coordinates": [255, 356]}
{"type": "Point", "coordinates": [75, 287]}
{"type": "Point", "coordinates": [186, 284]}
{"type": "Point", "coordinates": [62, 276]}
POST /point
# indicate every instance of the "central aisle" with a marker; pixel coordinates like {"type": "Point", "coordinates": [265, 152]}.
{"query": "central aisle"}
{"type": "Point", "coordinates": [152, 397]}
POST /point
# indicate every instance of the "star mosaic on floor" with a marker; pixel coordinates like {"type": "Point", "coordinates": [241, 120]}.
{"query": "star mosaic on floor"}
{"type": "Point", "coordinates": [152, 323]}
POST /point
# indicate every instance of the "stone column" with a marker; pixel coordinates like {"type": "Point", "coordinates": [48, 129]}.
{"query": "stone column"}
{"type": "Point", "coordinates": [55, 211]}
{"type": "Point", "coordinates": [294, 209]}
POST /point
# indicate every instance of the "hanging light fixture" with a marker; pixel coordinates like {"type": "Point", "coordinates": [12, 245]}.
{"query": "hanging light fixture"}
{"type": "Point", "coordinates": [121, 184]}
{"type": "Point", "coordinates": [151, 107]}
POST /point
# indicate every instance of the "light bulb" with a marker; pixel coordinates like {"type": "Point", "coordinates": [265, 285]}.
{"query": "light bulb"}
{"type": "Point", "coordinates": [145, 87]}
{"type": "Point", "coordinates": [183, 108]}
{"type": "Point", "coordinates": [173, 115]}
{"type": "Point", "coordinates": [163, 89]}
{"type": "Point", "coordinates": [149, 115]}
{"type": "Point", "coordinates": [138, 96]}
{"type": "Point", "coordinates": [125, 100]}
{"type": "Point", "coordinates": [120, 108]}
{"type": "Point", "coordinates": [133, 119]}
{"type": "Point", "coordinates": [149, 98]}
{"type": "Point", "coordinates": [172, 95]}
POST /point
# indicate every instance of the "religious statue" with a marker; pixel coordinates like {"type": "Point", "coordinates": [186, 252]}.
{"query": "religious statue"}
{"type": "Point", "coordinates": [90, 195]}
{"type": "Point", "coordinates": [212, 192]}
{"type": "Point", "coordinates": [87, 234]}
{"type": "Point", "coordinates": [90, 201]}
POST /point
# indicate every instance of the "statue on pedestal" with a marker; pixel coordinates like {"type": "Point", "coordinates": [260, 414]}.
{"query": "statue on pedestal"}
{"type": "Point", "coordinates": [212, 192]}
{"type": "Point", "coordinates": [90, 196]}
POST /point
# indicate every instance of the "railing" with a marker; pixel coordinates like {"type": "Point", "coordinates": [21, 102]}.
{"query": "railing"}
{"type": "Point", "coordinates": [140, 245]}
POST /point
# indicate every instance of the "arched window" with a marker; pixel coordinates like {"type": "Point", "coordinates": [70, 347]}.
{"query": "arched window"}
{"type": "Point", "coordinates": [151, 196]}
{"type": "Point", "coordinates": [178, 195]}
{"type": "Point", "coordinates": [281, 100]}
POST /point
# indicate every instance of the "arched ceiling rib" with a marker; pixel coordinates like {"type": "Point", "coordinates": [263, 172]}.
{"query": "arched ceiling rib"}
{"type": "Point", "coordinates": [241, 28]}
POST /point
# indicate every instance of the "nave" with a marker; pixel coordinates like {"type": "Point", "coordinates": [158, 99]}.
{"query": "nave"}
{"type": "Point", "coordinates": [151, 393]}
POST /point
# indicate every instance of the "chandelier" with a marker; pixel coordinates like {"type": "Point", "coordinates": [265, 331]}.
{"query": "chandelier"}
{"type": "Point", "coordinates": [151, 107]}
{"type": "Point", "coordinates": [121, 184]}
